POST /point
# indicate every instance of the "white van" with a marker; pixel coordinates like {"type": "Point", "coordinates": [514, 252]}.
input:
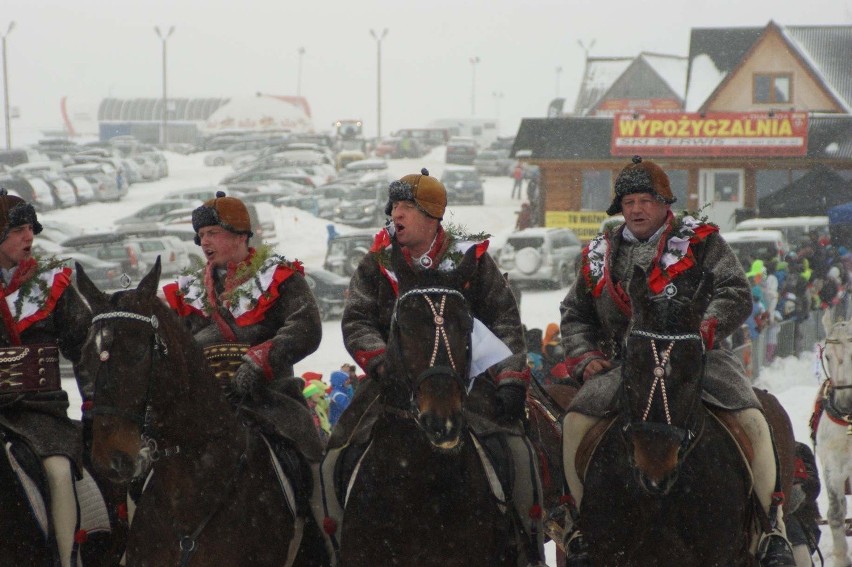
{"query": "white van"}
{"type": "Point", "coordinates": [795, 229]}
{"type": "Point", "coordinates": [751, 245]}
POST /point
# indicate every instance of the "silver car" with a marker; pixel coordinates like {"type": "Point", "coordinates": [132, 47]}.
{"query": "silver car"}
{"type": "Point", "coordinates": [540, 257]}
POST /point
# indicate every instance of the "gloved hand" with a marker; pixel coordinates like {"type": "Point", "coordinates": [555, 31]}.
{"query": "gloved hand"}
{"type": "Point", "coordinates": [511, 402]}
{"type": "Point", "coordinates": [377, 369]}
{"type": "Point", "coordinates": [247, 377]}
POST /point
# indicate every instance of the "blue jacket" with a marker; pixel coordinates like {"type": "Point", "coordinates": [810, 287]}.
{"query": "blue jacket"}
{"type": "Point", "coordinates": [339, 396]}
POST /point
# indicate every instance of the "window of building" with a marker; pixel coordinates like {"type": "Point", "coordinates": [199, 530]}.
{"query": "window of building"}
{"type": "Point", "coordinates": [678, 179]}
{"type": "Point", "coordinates": [597, 190]}
{"type": "Point", "coordinates": [772, 88]}
{"type": "Point", "coordinates": [768, 181]}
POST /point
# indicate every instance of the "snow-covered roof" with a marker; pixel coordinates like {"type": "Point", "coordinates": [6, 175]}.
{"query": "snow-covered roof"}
{"type": "Point", "coordinates": [671, 68]}
{"type": "Point", "coordinates": [600, 74]}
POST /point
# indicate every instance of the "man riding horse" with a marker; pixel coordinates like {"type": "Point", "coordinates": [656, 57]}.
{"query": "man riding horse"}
{"type": "Point", "coordinates": [416, 205]}
{"type": "Point", "coordinates": [596, 314]}
{"type": "Point", "coordinates": [255, 316]}
{"type": "Point", "coordinates": [42, 315]}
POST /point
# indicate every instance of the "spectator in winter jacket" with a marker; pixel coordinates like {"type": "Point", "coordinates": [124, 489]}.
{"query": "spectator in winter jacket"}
{"type": "Point", "coordinates": [339, 397]}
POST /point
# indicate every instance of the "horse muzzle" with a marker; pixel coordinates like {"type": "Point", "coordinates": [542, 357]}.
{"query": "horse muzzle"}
{"type": "Point", "coordinates": [444, 432]}
{"type": "Point", "coordinates": [655, 457]}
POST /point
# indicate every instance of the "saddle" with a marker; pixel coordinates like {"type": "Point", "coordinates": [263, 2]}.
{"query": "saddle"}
{"type": "Point", "coordinates": [292, 469]}
{"type": "Point", "coordinates": [590, 442]}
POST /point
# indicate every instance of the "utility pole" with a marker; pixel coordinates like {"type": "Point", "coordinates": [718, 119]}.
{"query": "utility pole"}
{"type": "Point", "coordinates": [6, 90]}
{"type": "Point", "coordinates": [379, 39]}
{"type": "Point", "coordinates": [474, 61]}
{"type": "Point", "coordinates": [301, 52]}
{"type": "Point", "coordinates": [164, 136]}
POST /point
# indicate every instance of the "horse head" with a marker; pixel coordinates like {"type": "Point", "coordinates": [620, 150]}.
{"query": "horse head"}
{"type": "Point", "coordinates": [661, 376]}
{"type": "Point", "coordinates": [429, 347]}
{"type": "Point", "coordinates": [124, 349]}
{"type": "Point", "coordinates": [837, 361]}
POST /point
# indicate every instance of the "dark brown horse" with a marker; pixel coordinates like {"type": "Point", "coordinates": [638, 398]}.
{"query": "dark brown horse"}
{"type": "Point", "coordinates": [213, 496]}
{"type": "Point", "coordinates": [421, 496]}
{"type": "Point", "coordinates": [666, 485]}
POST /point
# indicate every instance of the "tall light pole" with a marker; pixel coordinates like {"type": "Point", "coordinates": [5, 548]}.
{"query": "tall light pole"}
{"type": "Point", "coordinates": [558, 74]}
{"type": "Point", "coordinates": [379, 38]}
{"type": "Point", "coordinates": [301, 52]}
{"type": "Point", "coordinates": [474, 61]}
{"type": "Point", "coordinates": [164, 136]}
{"type": "Point", "coordinates": [6, 90]}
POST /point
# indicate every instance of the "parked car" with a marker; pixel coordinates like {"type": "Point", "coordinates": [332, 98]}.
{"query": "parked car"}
{"type": "Point", "coordinates": [200, 193]}
{"type": "Point", "coordinates": [464, 186]}
{"type": "Point", "coordinates": [751, 245]}
{"type": "Point", "coordinates": [113, 247]}
{"type": "Point", "coordinates": [34, 190]}
{"type": "Point", "coordinates": [83, 188]}
{"type": "Point", "coordinates": [540, 256]}
{"type": "Point", "coordinates": [227, 155]}
{"type": "Point", "coordinates": [57, 231]}
{"type": "Point", "coordinates": [795, 229]}
{"type": "Point", "coordinates": [362, 205]}
{"type": "Point", "coordinates": [395, 148]}
{"type": "Point", "coordinates": [461, 150]}
{"type": "Point", "coordinates": [103, 177]}
{"type": "Point", "coordinates": [494, 162]}
{"type": "Point", "coordinates": [271, 193]}
{"type": "Point", "coordinates": [159, 160]}
{"type": "Point", "coordinates": [330, 291]}
{"type": "Point", "coordinates": [345, 251]}
{"type": "Point", "coordinates": [154, 212]}
{"type": "Point", "coordinates": [104, 273]}
{"type": "Point", "coordinates": [184, 233]}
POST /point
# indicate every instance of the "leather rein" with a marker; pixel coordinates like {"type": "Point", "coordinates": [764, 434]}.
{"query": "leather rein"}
{"type": "Point", "coordinates": [186, 543]}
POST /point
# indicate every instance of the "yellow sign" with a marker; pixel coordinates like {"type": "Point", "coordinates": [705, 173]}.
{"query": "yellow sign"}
{"type": "Point", "coordinates": [585, 224]}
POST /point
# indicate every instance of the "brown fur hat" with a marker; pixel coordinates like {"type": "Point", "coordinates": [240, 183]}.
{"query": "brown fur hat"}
{"type": "Point", "coordinates": [14, 212]}
{"type": "Point", "coordinates": [641, 177]}
{"type": "Point", "coordinates": [228, 212]}
{"type": "Point", "coordinates": [426, 191]}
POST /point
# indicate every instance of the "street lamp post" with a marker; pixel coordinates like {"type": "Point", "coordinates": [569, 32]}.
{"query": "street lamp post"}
{"type": "Point", "coordinates": [379, 39]}
{"type": "Point", "coordinates": [474, 61]}
{"type": "Point", "coordinates": [6, 90]}
{"type": "Point", "coordinates": [164, 136]}
{"type": "Point", "coordinates": [301, 52]}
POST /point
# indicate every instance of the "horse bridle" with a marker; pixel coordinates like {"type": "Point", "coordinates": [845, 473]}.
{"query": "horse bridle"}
{"type": "Point", "coordinates": [686, 436]}
{"type": "Point", "coordinates": [829, 341]}
{"type": "Point", "coordinates": [441, 337]}
{"type": "Point", "coordinates": [140, 418]}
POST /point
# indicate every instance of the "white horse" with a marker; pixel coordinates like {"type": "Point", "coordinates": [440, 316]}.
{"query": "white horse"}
{"type": "Point", "coordinates": [834, 434]}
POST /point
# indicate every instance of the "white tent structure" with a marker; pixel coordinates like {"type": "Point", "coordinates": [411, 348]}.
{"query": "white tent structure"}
{"type": "Point", "coordinates": [261, 112]}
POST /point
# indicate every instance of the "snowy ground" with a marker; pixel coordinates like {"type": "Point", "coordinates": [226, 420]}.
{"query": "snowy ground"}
{"type": "Point", "coordinates": [793, 380]}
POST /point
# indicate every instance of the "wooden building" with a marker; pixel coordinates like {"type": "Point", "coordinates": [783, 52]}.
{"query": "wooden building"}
{"type": "Point", "coordinates": [761, 108]}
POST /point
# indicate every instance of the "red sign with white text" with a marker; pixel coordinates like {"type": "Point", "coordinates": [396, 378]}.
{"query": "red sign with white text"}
{"type": "Point", "coordinates": [710, 134]}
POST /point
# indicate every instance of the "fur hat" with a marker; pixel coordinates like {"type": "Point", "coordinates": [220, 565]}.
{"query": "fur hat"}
{"type": "Point", "coordinates": [427, 192]}
{"type": "Point", "coordinates": [14, 212]}
{"type": "Point", "coordinates": [228, 212]}
{"type": "Point", "coordinates": [641, 177]}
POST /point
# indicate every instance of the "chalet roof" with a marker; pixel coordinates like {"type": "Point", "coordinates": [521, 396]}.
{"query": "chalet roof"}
{"type": "Point", "coordinates": [588, 138]}
{"type": "Point", "coordinates": [607, 76]}
{"type": "Point", "coordinates": [715, 52]}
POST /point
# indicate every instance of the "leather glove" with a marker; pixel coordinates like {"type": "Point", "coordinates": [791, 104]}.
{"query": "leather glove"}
{"type": "Point", "coordinates": [511, 402]}
{"type": "Point", "coordinates": [247, 377]}
{"type": "Point", "coordinates": [377, 369]}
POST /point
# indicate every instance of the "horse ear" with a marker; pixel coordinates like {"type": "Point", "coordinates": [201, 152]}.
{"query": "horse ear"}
{"type": "Point", "coordinates": [94, 296]}
{"type": "Point", "coordinates": [151, 281]}
{"type": "Point", "coordinates": [404, 272]}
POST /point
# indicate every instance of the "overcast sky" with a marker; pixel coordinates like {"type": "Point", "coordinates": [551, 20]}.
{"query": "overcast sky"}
{"type": "Point", "coordinates": [91, 49]}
